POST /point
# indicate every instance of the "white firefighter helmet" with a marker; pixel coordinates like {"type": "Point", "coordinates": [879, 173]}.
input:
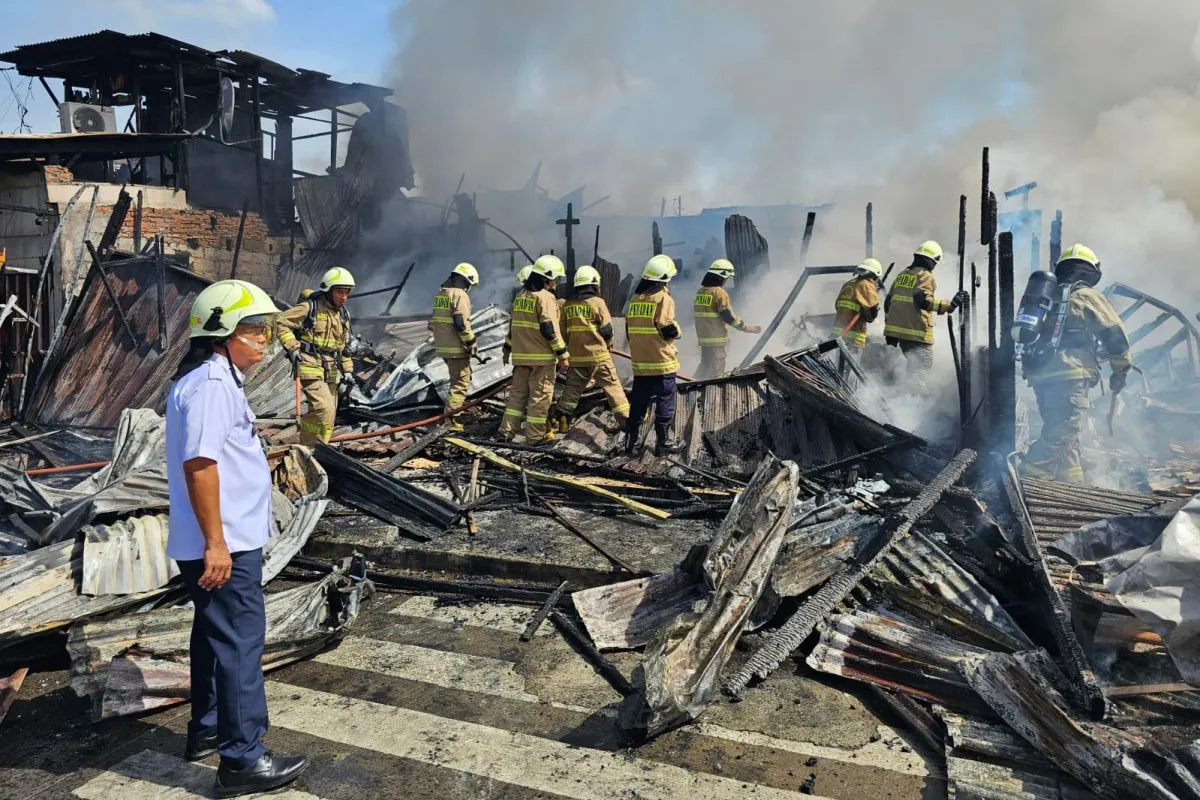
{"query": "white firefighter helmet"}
{"type": "Point", "coordinates": [722, 267]}
{"type": "Point", "coordinates": [338, 276]}
{"type": "Point", "coordinates": [523, 273]}
{"type": "Point", "coordinates": [659, 268]}
{"type": "Point", "coordinates": [587, 276]}
{"type": "Point", "coordinates": [219, 309]}
{"type": "Point", "coordinates": [549, 267]}
{"type": "Point", "coordinates": [931, 250]}
{"type": "Point", "coordinates": [468, 271]}
{"type": "Point", "coordinates": [870, 266]}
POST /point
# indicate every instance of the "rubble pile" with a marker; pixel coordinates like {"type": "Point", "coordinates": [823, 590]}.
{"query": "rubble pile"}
{"type": "Point", "coordinates": [1037, 635]}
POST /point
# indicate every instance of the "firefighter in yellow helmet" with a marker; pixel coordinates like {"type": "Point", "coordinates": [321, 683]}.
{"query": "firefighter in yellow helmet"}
{"type": "Point", "coordinates": [1063, 370]}
{"type": "Point", "coordinates": [316, 334]}
{"type": "Point", "coordinates": [587, 325]}
{"type": "Point", "coordinates": [535, 347]}
{"type": "Point", "coordinates": [714, 317]}
{"type": "Point", "coordinates": [909, 309]}
{"type": "Point", "coordinates": [653, 331]}
{"type": "Point", "coordinates": [453, 339]}
{"type": "Point", "coordinates": [857, 304]}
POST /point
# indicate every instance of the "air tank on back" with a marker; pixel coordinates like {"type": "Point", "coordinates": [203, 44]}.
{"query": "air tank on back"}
{"type": "Point", "coordinates": [1036, 303]}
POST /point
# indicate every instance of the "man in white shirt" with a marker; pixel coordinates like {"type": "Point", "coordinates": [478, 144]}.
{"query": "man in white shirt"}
{"type": "Point", "coordinates": [220, 496]}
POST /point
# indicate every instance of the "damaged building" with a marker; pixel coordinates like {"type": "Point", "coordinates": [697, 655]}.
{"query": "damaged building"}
{"type": "Point", "coordinates": [803, 554]}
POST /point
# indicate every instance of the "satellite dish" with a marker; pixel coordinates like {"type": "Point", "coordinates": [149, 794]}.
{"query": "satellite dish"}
{"type": "Point", "coordinates": [225, 105]}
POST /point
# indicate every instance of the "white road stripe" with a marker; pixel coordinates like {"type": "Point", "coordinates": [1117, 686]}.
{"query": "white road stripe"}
{"type": "Point", "coordinates": [875, 754]}
{"type": "Point", "coordinates": [514, 758]}
{"type": "Point", "coordinates": [507, 617]}
{"type": "Point", "coordinates": [151, 775]}
{"type": "Point", "coordinates": [498, 678]}
{"type": "Point", "coordinates": [488, 676]}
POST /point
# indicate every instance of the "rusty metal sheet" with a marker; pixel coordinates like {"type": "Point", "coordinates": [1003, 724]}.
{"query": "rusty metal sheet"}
{"type": "Point", "coordinates": [137, 662]}
{"type": "Point", "coordinates": [95, 371]}
{"type": "Point", "coordinates": [679, 672]}
{"type": "Point", "coordinates": [626, 615]}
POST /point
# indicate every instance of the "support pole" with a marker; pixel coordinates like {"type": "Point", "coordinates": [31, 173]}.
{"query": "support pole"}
{"type": "Point", "coordinates": [161, 265]}
{"type": "Point", "coordinates": [871, 231]}
{"type": "Point", "coordinates": [1004, 377]}
{"type": "Point", "coordinates": [237, 246]}
{"type": "Point", "coordinates": [964, 317]}
{"type": "Point", "coordinates": [387, 311]}
{"type": "Point", "coordinates": [782, 313]}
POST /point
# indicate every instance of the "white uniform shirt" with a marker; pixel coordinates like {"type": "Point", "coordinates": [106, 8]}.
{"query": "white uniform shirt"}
{"type": "Point", "coordinates": [208, 417]}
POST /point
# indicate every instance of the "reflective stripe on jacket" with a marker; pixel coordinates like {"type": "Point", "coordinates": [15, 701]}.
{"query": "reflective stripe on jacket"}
{"type": "Point", "coordinates": [711, 330]}
{"type": "Point", "coordinates": [581, 322]}
{"type": "Point", "coordinates": [645, 318]}
{"type": "Point", "coordinates": [327, 339]}
{"type": "Point", "coordinates": [1090, 319]}
{"type": "Point", "coordinates": [856, 294]}
{"type": "Point", "coordinates": [448, 342]}
{"type": "Point", "coordinates": [904, 320]}
{"type": "Point", "coordinates": [529, 347]}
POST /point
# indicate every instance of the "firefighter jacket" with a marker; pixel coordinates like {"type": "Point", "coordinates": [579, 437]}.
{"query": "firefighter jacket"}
{"type": "Point", "coordinates": [648, 318]}
{"type": "Point", "coordinates": [712, 326]}
{"type": "Point", "coordinates": [320, 334]}
{"type": "Point", "coordinates": [451, 323]}
{"type": "Point", "coordinates": [534, 338]}
{"type": "Point", "coordinates": [911, 304]}
{"type": "Point", "coordinates": [1090, 320]}
{"type": "Point", "coordinates": [859, 298]}
{"type": "Point", "coordinates": [585, 323]}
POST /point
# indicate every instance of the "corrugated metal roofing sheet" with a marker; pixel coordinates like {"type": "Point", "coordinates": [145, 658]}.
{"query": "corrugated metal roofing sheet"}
{"type": "Point", "coordinates": [127, 557]}
{"type": "Point", "coordinates": [96, 371]}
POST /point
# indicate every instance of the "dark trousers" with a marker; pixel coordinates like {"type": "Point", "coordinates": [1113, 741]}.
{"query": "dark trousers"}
{"type": "Point", "coordinates": [228, 634]}
{"type": "Point", "coordinates": [648, 389]}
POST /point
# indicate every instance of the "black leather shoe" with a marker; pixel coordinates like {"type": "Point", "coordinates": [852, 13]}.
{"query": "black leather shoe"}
{"type": "Point", "coordinates": [201, 746]}
{"type": "Point", "coordinates": [269, 772]}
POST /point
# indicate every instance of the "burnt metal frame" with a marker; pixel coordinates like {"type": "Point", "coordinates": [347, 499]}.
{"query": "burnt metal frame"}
{"type": "Point", "coordinates": [1150, 357]}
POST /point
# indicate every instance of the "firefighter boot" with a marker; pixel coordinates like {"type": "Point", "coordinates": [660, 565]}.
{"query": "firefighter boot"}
{"type": "Point", "coordinates": [665, 444]}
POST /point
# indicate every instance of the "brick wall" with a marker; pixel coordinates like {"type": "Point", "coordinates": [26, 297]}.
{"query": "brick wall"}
{"type": "Point", "coordinates": [209, 238]}
{"type": "Point", "coordinates": [56, 174]}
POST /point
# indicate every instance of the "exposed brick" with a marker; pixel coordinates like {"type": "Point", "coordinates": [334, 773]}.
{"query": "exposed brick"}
{"type": "Point", "coordinates": [57, 174]}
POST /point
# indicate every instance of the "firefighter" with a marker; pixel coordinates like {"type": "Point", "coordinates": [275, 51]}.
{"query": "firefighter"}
{"type": "Point", "coordinates": [523, 275]}
{"type": "Point", "coordinates": [587, 325]}
{"type": "Point", "coordinates": [858, 304]}
{"type": "Point", "coordinates": [534, 346]}
{"type": "Point", "coordinates": [714, 317]}
{"type": "Point", "coordinates": [909, 308]}
{"type": "Point", "coordinates": [316, 335]}
{"type": "Point", "coordinates": [652, 332]}
{"type": "Point", "coordinates": [1063, 372]}
{"type": "Point", "coordinates": [453, 339]}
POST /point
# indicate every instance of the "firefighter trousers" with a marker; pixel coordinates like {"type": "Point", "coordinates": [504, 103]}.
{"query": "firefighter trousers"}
{"type": "Point", "coordinates": [918, 357]}
{"type": "Point", "coordinates": [585, 376]}
{"type": "Point", "coordinates": [712, 362]}
{"type": "Point", "coordinates": [460, 381]}
{"type": "Point", "coordinates": [316, 424]}
{"type": "Point", "coordinates": [1056, 455]}
{"type": "Point", "coordinates": [529, 395]}
{"type": "Point", "coordinates": [658, 390]}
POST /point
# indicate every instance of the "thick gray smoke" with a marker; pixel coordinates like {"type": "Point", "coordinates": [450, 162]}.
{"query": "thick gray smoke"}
{"type": "Point", "coordinates": [725, 102]}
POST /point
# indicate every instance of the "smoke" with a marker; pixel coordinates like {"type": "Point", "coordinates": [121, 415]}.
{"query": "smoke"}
{"type": "Point", "coordinates": [726, 103]}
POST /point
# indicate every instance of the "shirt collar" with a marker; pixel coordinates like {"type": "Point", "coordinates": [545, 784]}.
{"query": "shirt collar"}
{"type": "Point", "coordinates": [226, 364]}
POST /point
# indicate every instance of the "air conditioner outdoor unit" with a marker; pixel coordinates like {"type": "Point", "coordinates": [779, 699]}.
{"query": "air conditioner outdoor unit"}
{"type": "Point", "coordinates": [86, 118]}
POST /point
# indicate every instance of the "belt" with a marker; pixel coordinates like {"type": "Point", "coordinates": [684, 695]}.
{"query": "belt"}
{"type": "Point", "coordinates": [312, 350]}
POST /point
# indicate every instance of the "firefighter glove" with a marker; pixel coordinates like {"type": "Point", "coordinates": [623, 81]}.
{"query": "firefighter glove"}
{"type": "Point", "coordinates": [752, 328]}
{"type": "Point", "coordinates": [960, 299]}
{"type": "Point", "coordinates": [504, 355]}
{"type": "Point", "coordinates": [1117, 380]}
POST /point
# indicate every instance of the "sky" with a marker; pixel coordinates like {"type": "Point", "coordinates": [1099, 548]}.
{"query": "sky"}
{"type": "Point", "coordinates": [314, 34]}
